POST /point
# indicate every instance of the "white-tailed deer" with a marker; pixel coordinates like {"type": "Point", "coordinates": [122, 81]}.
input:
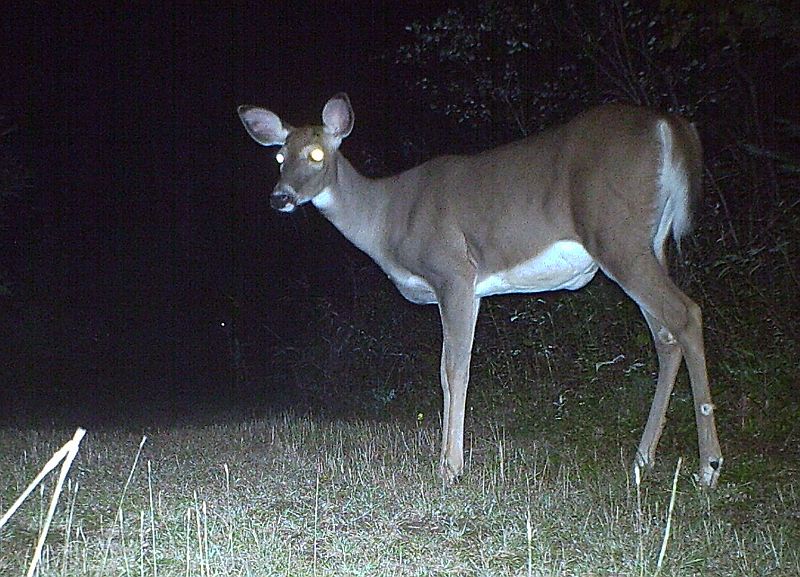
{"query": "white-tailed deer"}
{"type": "Point", "coordinates": [604, 191]}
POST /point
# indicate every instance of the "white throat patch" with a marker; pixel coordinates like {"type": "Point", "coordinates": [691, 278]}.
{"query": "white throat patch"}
{"type": "Point", "coordinates": [324, 199]}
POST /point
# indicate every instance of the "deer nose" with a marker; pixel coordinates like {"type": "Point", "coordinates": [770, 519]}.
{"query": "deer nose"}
{"type": "Point", "coordinates": [283, 199]}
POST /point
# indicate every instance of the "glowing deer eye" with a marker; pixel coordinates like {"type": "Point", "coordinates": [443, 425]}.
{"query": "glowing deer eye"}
{"type": "Point", "coordinates": [316, 155]}
{"type": "Point", "coordinates": [279, 158]}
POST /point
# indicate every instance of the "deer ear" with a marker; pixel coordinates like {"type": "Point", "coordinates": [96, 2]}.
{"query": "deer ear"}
{"type": "Point", "coordinates": [263, 126]}
{"type": "Point", "coordinates": [337, 116]}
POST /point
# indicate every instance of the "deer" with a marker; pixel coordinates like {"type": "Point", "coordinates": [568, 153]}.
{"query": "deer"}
{"type": "Point", "coordinates": [605, 191]}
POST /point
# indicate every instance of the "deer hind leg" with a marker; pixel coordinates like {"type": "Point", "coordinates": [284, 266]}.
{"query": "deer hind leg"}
{"type": "Point", "coordinates": [647, 282]}
{"type": "Point", "coordinates": [669, 361]}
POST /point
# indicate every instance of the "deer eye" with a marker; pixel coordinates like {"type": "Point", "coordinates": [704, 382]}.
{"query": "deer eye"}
{"type": "Point", "coordinates": [279, 158]}
{"type": "Point", "coordinates": [316, 154]}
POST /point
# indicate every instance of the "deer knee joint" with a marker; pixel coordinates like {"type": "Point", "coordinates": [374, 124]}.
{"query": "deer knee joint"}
{"type": "Point", "coordinates": [666, 337]}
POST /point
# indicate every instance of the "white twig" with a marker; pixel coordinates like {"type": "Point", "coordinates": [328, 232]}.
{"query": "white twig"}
{"type": "Point", "coordinates": [66, 454]}
{"type": "Point", "coordinates": [667, 529]}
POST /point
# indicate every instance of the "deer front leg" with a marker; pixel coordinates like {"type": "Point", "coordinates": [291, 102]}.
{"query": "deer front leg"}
{"type": "Point", "coordinates": [459, 311]}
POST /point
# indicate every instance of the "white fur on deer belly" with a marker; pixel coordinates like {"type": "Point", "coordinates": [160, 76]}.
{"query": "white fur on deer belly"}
{"type": "Point", "coordinates": [563, 265]}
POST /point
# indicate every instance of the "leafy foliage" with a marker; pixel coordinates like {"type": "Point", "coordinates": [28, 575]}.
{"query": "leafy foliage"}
{"type": "Point", "coordinates": [476, 65]}
{"type": "Point", "coordinates": [517, 68]}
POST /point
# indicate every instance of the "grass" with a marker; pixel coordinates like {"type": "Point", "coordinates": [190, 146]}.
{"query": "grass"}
{"type": "Point", "coordinates": [292, 495]}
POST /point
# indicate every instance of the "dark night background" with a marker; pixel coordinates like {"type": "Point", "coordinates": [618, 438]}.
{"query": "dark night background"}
{"type": "Point", "coordinates": [144, 223]}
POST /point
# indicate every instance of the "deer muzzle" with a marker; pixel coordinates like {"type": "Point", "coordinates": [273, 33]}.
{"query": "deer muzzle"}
{"type": "Point", "coordinates": [283, 199]}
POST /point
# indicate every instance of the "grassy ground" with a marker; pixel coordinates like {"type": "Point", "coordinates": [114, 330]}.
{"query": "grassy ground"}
{"type": "Point", "coordinates": [301, 496]}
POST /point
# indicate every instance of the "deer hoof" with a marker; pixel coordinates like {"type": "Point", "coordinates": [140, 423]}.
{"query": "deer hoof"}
{"type": "Point", "coordinates": [709, 472]}
{"type": "Point", "coordinates": [450, 475]}
{"type": "Point", "coordinates": [641, 465]}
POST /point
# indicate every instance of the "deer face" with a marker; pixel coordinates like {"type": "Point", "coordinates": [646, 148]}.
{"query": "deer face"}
{"type": "Point", "coordinates": [307, 164]}
{"type": "Point", "coordinates": [307, 156]}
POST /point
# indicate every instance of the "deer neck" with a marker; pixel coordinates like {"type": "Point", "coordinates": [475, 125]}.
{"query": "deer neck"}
{"type": "Point", "coordinates": [356, 205]}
